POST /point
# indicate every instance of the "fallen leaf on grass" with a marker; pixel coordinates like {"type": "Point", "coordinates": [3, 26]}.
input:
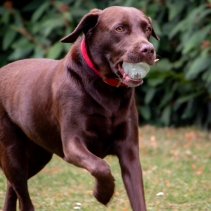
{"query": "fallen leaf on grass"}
{"type": "Point", "coordinates": [168, 184]}
{"type": "Point", "coordinates": [200, 170]}
{"type": "Point", "coordinates": [193, 166]}
{"type": "Point", "coordinates": [170, 133]}
{"type": "Point", "coordinates": [167, 171]}
{"type": "Point", "coordinates": [156, 180]}
{"type": "Point", "coordinates": [192, 135]}
{"type": "Point", "coordinates": [153, 142]}
{"type": "Point", "coordinates": [188, 143]}
{"type": "Point", "coordinates": [89, 191]}
{"type": "Point", "coordinates": [53, 170]}
{"type": "Point", "coordinates": [110, 158]}
{"type": "Point", "coordinates": [175, 153]}
{"type": "Point", "coordinates": [116, 193]}
{"type": "Point", "coordinates": [188, 152]}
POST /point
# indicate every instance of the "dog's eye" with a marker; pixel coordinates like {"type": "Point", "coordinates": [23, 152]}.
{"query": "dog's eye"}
{"type": "Point", "coordinates": [120, 29]}
{"type": "Point", "coordinates": [148, 30]}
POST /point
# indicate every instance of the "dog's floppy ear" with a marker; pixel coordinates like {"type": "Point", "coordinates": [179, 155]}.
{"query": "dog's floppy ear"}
{"type": "Point", "coordinates": [153, 31]}
{"type": "Point", "coordinates": [87, 23]}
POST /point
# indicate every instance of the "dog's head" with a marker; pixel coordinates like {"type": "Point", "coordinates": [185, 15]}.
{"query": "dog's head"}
{"type": "Point", "coordinates": [116, 35]}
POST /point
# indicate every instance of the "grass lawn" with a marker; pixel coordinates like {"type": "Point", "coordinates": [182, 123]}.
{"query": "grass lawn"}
{"type": "Point", "coordinates": [176, 162]}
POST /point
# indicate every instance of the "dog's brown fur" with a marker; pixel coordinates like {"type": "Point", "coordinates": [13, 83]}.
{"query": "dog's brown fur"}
{"type": "Point", "coordinates": [62, 107]}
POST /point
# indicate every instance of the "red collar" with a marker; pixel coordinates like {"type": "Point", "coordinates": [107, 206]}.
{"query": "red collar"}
{"type": "Point", "coordinates": [111, 81]}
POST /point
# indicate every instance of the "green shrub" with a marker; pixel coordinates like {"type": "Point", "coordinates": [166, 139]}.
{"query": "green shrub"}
{"type": "Point", "coordinates": [178, 89]}
{"type": "Point", "coordinates": [176, 92]}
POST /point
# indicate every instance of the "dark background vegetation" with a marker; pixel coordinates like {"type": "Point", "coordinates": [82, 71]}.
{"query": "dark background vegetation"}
{"type": "Point", "coordinates": [176, 92]}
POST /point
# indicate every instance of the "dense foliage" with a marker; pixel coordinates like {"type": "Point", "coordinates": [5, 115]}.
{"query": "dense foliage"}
{"type": "Point", "coordinates": [176, 92]}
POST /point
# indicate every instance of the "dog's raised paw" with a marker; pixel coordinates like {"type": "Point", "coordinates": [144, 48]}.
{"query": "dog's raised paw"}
{"type": "Point", "coordinates": [104, 189]}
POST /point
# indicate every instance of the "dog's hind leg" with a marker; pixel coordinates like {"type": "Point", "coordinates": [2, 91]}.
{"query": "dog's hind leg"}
{"type": "Point", "coordinates": [13, 161]}
{"type": "Point", "coordinates": [11, 198]}
{"type": "Point", "coordinates": [20, 159]}
{"type": "Point", "coordinates": [37, 158]}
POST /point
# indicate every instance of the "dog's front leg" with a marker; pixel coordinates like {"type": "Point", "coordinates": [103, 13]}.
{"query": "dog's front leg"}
{"type": "Point", "coordinates": [128, 154]}
{"type": "Point", "coordinates": [76, 153]}
{"type": "Point", "coordinates": [132, 176]}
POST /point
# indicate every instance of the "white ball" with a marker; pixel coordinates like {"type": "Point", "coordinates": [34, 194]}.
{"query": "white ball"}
{"type": "Point", "coordinates": [136, 70]}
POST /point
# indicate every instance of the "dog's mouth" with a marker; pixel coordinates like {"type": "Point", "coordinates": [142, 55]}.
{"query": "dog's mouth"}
{"type": "Point", "coordinates": [132, 74]}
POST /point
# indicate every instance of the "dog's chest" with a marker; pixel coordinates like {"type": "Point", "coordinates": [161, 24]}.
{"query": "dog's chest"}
{"type": "Point", "coordinates": [105, 115]}
{"type": "Point", "coordinates": [101, 119]}
{"type": "Point", "coordinates": [102, 125]}
{"type": "Point", "coordinates": [100, 132]}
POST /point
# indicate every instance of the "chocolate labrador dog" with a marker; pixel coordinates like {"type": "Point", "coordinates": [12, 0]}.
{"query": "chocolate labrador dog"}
{"type": "Point", "coordinates": [81, 108]}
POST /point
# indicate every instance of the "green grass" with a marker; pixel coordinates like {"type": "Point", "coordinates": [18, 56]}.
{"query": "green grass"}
{"type": "Point", "coordinates": [176, 162]}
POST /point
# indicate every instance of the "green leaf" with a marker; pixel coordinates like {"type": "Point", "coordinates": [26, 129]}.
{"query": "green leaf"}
{"type": "Point", "coordinates": [200, 64]}
{"type": "Point", "coordinates": [49, 25]}
{"type": "Point", "coordinates": [39, 11]}
{"type": "Point", "coordinates": [68, 16]}
{"type": "Point", "coordinates": [193, 15]}
{"type": "Point", "coordinates": [144, 111]}
{"type": "Point", "coordinates": [175, 7]}
{"type": "Point", "coordinates": [187, 23]}
{"type": "Point", "coordinates": [21, 43]}
{"type": "Point", "coordinates": [204, 14]}
{"type": "Point", "coordinates": [38, 52]}
{"type": "Point", "coordinates": [207, 75]}
{"type": "Point", "coordinates": [8, 38]}
{"type": "Point", "coordinates": [189, 110]}
{"type": "Point", "coordinates": [186, 98]}
{"type": "Point", "coordinates": [166, 98]}
{"type": "Point", "coordinates": [179, 27]}
{"type": "Point", "coordinates": [155, 81]}
{"type": "Point", "coordinates": [22, 48]}
{"type": "Point", "coordinates": [166, 115]}
{"type": "Point", "coordinates": [5, 17]}
{"type": "Point", "coordinates": [3, 10]}
{"type": "Point", "coordinates": [155, 43]}
{"type": "Point", "coordinates": [20, 53]}
{"type": "Point", "coordinates": [55, 51]}
{"type": "Point", "coordinates": [156, 27]}
{"type": "Point", "coordinates": [196, 39]}
{"type": "Point", "coordinates": [18, 19]}
{"type": "Point", "coordinates": [149, 95]}
{"type": "Point", "coordinates": [128, 3]}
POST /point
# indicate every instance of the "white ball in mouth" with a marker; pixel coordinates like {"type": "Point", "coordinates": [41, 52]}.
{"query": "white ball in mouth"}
{"type": "Point", "coordinates": [136, 70]}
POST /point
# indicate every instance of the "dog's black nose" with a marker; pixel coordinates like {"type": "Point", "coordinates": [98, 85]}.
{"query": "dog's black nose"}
{"type": "Point", "coordinates": [147, 50]}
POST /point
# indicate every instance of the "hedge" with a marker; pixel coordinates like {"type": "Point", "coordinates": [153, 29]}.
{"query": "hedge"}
{"type": "Point", "coordinates": [176, 92]}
